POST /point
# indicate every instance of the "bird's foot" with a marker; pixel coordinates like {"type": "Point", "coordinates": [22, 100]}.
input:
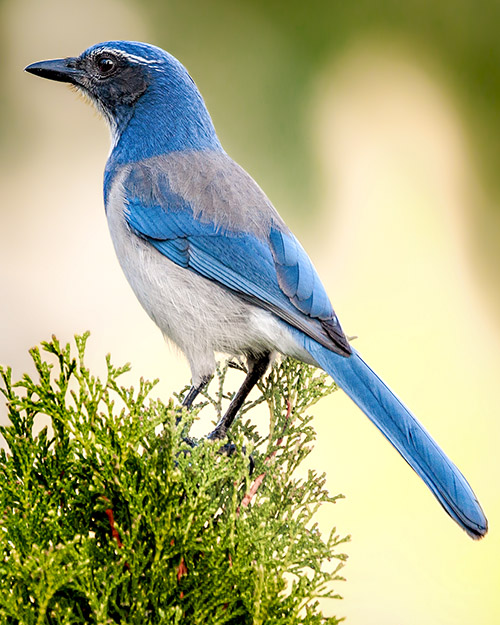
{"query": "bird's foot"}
{"type": "Point", "coordinates": [218, 433]}
{"type": "Point", "coordinates": [190, 441]}
{"type": "Point", "coordinates": [230, 448]}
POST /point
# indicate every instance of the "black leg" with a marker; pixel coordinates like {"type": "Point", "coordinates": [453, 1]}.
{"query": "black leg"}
{"type": "Point", "coordinates": [257, 366]}
{"type": "Point", "coordinates": [193, 392]}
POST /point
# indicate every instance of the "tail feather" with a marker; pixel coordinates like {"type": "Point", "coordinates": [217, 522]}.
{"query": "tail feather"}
{"type": "Point", "coordinates": [401, 428]}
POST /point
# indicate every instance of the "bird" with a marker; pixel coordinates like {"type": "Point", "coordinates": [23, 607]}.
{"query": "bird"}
{"type": "Point", "coordinates": [213, 263]}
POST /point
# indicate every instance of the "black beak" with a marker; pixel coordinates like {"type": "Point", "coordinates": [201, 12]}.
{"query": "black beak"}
{"type": "Point", "coordinates": [63, 70]}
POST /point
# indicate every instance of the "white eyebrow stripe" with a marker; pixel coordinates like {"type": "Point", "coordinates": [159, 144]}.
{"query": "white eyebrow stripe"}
{"type": "Point", "coordinates": [135, 57]}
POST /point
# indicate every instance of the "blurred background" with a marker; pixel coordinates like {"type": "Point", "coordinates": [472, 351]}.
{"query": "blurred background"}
{"type": "Point", "coordinates": [374, 129]}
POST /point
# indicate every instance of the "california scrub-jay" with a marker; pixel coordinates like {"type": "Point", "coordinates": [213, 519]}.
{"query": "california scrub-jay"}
{"type": "Point", "coordinates": [212, 262]}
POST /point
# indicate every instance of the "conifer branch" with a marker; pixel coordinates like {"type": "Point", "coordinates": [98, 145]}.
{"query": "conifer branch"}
{"type": "Point", "coordinates": [103, 520]}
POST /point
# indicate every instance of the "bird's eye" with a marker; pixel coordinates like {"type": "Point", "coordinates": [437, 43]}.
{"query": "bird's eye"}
{"type": "Point", "coordinates": [106, 65]}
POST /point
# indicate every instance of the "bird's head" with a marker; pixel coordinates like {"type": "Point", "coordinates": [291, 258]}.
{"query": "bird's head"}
{"type": "Point", "coordinates": [142, 91]}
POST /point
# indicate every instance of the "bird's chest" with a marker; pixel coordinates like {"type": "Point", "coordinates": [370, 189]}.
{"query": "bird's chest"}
{"type": "Point", "coordinates": [153, 278]}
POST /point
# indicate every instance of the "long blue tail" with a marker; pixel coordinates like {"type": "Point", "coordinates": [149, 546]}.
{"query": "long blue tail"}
{"type": "Point", "coordinates": [397, 424]}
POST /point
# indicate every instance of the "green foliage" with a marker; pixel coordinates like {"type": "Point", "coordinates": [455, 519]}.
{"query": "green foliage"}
{"type": "Point", "coordinates": [112, 515]}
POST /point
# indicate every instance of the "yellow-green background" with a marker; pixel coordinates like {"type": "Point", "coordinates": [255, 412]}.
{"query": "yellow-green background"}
{"type": "Point", "coordinates": [374, 127]}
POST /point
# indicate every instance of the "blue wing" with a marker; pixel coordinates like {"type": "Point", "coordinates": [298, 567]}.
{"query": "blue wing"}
{"type": "Point", "coordinates": [274, 273]}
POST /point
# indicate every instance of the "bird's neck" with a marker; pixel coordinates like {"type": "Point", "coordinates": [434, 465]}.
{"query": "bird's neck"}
{"type": "Point", "coordinates": [159, 125]}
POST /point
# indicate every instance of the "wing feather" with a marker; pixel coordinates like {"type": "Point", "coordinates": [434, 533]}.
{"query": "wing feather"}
{"type": "Point", "coordinates": [274, 273]}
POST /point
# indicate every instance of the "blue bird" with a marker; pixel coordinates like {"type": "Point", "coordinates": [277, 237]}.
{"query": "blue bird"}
{"type": "Point", "coordinates": [213, 263]}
